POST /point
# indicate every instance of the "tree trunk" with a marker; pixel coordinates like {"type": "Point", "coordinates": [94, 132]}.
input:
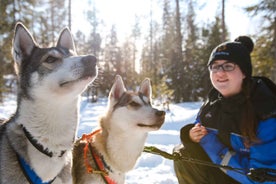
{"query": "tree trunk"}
{"type": "Point", "coordinates": [223, 35]}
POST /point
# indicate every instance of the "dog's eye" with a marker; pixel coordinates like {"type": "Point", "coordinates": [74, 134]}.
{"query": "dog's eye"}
{"type": "Point", "coordinates": [51, 59]}
{"type": "Point", "coordinates": [134, 104]}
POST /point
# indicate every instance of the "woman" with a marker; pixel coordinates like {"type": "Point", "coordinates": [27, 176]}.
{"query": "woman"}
{"type": "Point", "coordinates": [236, 126]}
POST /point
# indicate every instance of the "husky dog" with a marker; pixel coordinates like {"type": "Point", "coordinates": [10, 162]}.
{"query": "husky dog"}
{"type": "Point", "coordinates": [36, 142]}
{"type": "Point", "coordinates": [105, 155]}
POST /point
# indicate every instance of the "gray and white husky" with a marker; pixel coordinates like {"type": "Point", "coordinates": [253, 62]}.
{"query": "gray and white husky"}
{"type": "Point", "coordinates": [36, 142]}
{"type": "Point", "coordinates": [105, 155]}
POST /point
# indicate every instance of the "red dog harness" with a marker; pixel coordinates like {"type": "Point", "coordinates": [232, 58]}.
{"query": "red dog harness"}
{"type": "Point", "coordinates": [96, 157]}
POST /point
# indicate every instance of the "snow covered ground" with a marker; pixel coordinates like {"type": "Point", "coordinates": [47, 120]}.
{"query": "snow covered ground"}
{"type": "Point", "coordinates": [150, 169]}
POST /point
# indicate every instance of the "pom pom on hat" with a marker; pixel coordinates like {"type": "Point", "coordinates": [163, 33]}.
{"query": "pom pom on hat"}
{"type": "Point", "coordinates": [246, 41]}
{"type": "Point", "coordinates": [237, 52]}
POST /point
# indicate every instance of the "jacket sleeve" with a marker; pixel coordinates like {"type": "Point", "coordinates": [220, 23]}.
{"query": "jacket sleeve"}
{"type": "Point", "coordinates": [184, 133]}
{"type": "Point", "coordinates": [260, 155]}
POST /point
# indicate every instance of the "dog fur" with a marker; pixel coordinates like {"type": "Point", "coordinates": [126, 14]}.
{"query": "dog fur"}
{"type": "Point", "coordinates": [50, 83]}
{"type": "Point", "coordinates": [123, 132]}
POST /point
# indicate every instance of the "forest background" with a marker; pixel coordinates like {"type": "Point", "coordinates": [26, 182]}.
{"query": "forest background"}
{"type": "Point", "coordinates": [172, 49]}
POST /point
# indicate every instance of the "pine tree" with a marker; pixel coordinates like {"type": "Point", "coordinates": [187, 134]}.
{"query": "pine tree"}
{"type": "Point", "coordinates": [11, 12]}
{"type": "Point", "coordinates": [266, 9]}
{"type": "Point", "coordinates": [48, 25]}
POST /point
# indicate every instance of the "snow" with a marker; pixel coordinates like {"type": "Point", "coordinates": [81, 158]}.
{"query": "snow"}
{"type": "Point", "coordinates": [149, 169]}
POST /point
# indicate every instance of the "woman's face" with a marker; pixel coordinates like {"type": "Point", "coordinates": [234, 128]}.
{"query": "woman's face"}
{"type": "Point", "coordinates": [226, 77]}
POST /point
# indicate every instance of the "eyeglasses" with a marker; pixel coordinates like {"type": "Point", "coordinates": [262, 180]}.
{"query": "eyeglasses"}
{"type": "Point", "coordinates": [226, 67]}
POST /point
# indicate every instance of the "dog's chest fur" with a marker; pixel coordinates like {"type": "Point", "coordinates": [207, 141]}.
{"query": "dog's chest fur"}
{"type": "Point", "coordinates": [44, 166]}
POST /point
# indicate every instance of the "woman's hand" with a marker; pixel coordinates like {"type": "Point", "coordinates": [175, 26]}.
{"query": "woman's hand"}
{"type": "Point", "coordinates": [197, 132]}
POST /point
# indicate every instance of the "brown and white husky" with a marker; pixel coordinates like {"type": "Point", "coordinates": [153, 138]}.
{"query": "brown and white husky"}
{"type": "Point", "coordinates": [105, 155]}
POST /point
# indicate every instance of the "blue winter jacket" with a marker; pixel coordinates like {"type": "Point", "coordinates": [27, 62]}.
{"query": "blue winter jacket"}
{"type": "Point", "coordinates": [259, 155]}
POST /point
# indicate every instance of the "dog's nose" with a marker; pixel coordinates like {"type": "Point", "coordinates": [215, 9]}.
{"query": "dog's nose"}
{"type": "Point", "coordinates": [89, 59]}
{"type": "Point", "coordinates": [160, 113]}
{"type": "Point", "coordinates": [90, 65]}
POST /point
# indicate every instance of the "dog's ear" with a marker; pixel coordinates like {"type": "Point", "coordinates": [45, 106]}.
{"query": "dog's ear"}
{"type": "Point", "coordinates": [118, 88]}
{"type": "Point", "coordinates": [23, 44]}
{"type": "Point", "coordinates": [66, 40]}
{"type": "Point", "coordinates": [145, 88]}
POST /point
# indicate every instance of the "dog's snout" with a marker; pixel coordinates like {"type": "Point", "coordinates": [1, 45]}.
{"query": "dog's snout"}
{"type": "Point", "coordinates": [160, 113]}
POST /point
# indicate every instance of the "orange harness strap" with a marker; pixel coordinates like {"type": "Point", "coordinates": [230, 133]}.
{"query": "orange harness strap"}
{"type": "Point", "coordinates": [87, 138]}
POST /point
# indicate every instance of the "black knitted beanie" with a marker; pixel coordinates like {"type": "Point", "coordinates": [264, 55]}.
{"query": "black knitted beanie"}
{"type": "Point", "coordinates": [237, 52]}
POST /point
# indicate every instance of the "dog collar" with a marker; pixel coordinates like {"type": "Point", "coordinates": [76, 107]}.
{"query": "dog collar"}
{"type": "Point", "coordinates": [29, 173]}
{"type": "Point", "coordinates": [38, 146]}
